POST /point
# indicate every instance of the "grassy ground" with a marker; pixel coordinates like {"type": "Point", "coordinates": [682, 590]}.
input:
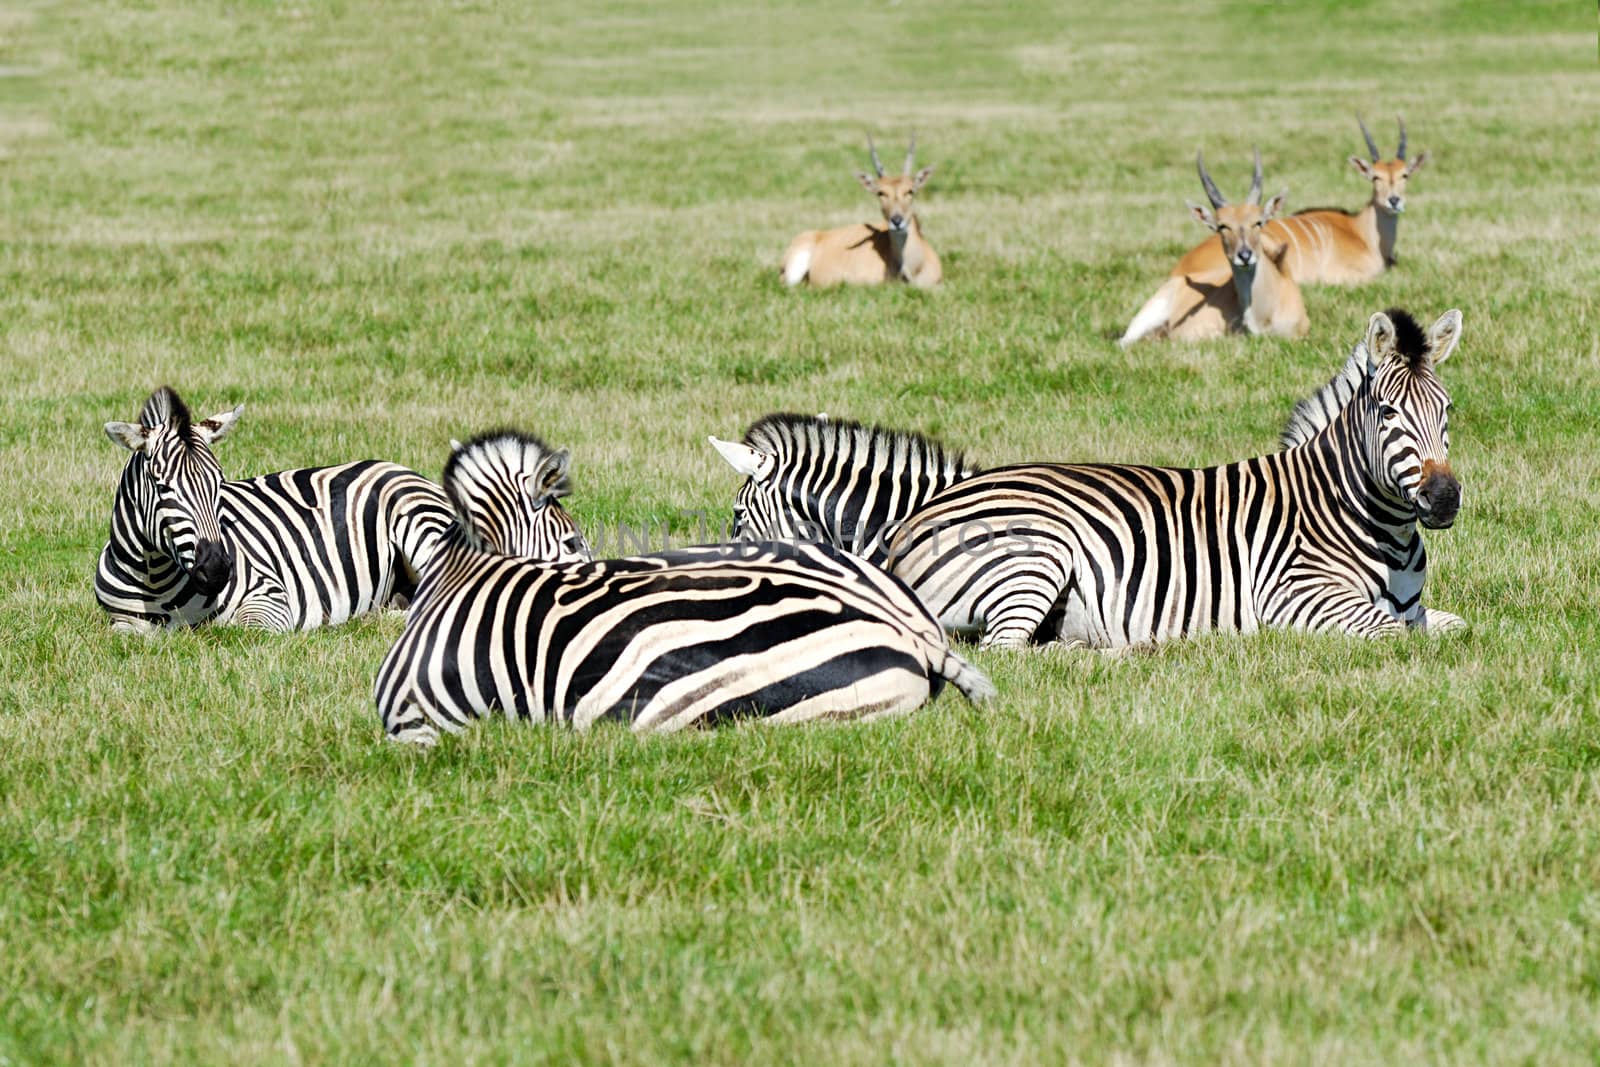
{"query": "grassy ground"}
{"type": "Point", "coordinates": [384, 227]}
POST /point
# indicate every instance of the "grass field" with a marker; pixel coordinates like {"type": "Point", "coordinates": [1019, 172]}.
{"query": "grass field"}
{"type": "Point", "coordinates": [381, 227]}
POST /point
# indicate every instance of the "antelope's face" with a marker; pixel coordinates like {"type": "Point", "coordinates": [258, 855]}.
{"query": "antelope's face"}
{"type": "Point", "coordinates": [895, 196]}
{"type": "Point", "coordinates": [1243, 230]}
{"type": "Point", "coordinates": [1408, 415]}
{"type": "Point", "coordinates": [1388, 179]}
{"type": "Point", "coordinates": [178, 482]}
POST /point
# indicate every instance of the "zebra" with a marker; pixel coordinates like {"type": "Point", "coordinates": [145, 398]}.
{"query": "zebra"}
{"type": "Point", "coordinates": [1321, 536]}
{"type": "Point", "coordinates": [693, 637]}
{"type": "Point", "coordinates": [851, 485]}
{"type": "Point", "coordinates": [287, 551]}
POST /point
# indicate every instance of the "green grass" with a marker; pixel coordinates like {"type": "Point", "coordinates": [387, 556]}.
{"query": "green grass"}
{"type": "Point", "coordinates": [382, 228]}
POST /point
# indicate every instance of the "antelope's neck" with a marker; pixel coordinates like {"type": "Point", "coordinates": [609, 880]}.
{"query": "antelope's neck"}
{"type": "Point", "coordinates": [1380, 228]}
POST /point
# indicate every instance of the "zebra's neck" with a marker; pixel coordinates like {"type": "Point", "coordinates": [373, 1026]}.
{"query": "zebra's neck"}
{"type": "Point", "coordinates": [1316, 412]}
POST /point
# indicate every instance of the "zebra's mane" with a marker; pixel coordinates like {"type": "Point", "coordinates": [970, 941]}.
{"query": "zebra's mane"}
{"type": "Point", "coordinates": [487, 459]}
{"type": "Point", "coordinates": [1313, 414]}
{"type": "Point", "coordinates": [164, 406]}
{"type": "Point", "coordinates": [789, 437]}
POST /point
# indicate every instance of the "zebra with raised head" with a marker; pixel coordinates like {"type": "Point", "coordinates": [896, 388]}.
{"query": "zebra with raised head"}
{"type": "Point", "coordinates": [288, 551]}
{"type": "Point", "coordinates": [833, 480]}
{"type": "Point", "coordinates": [695, 637]}
{"type": "Point", "coordinates": [1321, 536]}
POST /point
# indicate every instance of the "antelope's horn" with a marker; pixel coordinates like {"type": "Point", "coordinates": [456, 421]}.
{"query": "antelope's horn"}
{"type": "Point", "coordinates": [1372, 146]}
{"type": "Point", "coordinates": [1400, 153]}
{"type": "Point", "coordinates": [911, 153]}
{"type": "Point", "coordinates": [1212, 193]}
{"type": "Point", "coordinates": [1255, 181]}
{"type": "Point", "coordinates": [877, 164]}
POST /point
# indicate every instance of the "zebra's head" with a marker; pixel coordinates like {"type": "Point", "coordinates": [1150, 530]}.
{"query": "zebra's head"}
{"type": "Point", "coordinates": [812, 478]}
{"type": "Point", "coordinates": [760, 510]}
{"type": "Point", "coordinates": [1407, 413]}
{"type": "Point", "coordinates": [506, 487]}
{"type": "Point", "coordinates": [174, 482]}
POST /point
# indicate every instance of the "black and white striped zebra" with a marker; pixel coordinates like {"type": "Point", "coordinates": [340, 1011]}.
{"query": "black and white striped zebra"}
{"type": "Point", "coordinates": [815, 478]}
{"type": "Point", "coordinates": [695, 637]}
{"type": "Point", "coordinates": [1321, 536]}
{"type": "Point", "coordinates": [288, 551]}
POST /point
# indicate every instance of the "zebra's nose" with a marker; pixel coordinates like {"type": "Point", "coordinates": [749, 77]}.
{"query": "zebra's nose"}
{"type": "Point", "coordinates": [1438, 500]}
{"type": "Point", "coordinates": [213, 566]}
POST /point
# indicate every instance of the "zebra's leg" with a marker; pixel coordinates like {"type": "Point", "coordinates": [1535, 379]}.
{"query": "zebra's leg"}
{"type": "Point", "coordinates": [131, 624]}
{"type": "Point", "coordinates": [1434, 621]}
{"type": "Point", "coordinates": [1319, 608]}
{"type": "Point", "coordinates": [264, 604]}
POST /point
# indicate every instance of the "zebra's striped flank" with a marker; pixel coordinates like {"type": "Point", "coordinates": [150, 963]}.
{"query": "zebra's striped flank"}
{"type": "Point", "coordinates": [1321, 536]}
{"type": "Point", "coordinates": [695, 637]}
{"type": "Point", "coordinates": [287, 551]}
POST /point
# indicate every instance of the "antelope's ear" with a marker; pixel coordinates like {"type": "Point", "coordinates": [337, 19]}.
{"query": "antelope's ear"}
{"type": "Point", "coordinates": [1444, 335]}
{"type": "Point", "coordinates": [1202, 215]}
{"type": "Point", "coordinates": [129, 435]}
{"type": "Point", "coordinates": [748, 461]}
{"type": "Point", "coordinates": [550, 477]}
{"type": "Point", "coordinates": [1380, 341]}
{"type": "Point", "coordinates": [1362, 167]}
{"type": "Point", "coordinates": [1416, 164]}
{"type": "Point", "coordinates": [867, 180]}
{"type": "Point", "coordinates": [922, 176]}
{"type": "Point", "coordinates": [219, 425]}
{"type": "Point", "coordinates": [1274, 206]}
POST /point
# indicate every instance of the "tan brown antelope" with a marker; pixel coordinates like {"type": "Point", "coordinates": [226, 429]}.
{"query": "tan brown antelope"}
{"type": "Point", "coordinates": [1249, 291]}
{"type": "Point", "coordinates": [1331, 246]}
{"type": "Point", "coordinates": [871, 253]}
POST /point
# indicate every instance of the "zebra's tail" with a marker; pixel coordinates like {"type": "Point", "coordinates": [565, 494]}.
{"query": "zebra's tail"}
{"type": "Point", "coordinates": [972, 682]}
{"type": "Point", "coordinates": [1152, 317]}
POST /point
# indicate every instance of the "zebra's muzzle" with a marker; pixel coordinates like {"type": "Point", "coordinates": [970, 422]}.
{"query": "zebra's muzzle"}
{"type": "Point", "coordinates": [1438, 500]}
{"type": "Point", "coordinates": [213, 566]}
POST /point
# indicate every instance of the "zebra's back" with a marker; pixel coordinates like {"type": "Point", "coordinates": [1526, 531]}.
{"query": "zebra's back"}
{"type": "Point", "coordinates": [320, 545]}
{"type": "Point", "coordinates": [695, 637]}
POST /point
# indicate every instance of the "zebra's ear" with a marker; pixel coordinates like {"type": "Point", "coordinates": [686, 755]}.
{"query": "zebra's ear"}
{"type": "Point", "coordinates": [750, 462]}
{"type": "Point", "coordinates": [129, 435]}
{"type": "Point", "coordinates": [218, 426]}
{"type": "Point", "coordinates": [1444, 335]}
{"type": "Point", "coordinates": [550, 477]}
{"type": "Point", "coordinates": [455, 446]}
{"type": "Point", "coordinates": [1380, 341]}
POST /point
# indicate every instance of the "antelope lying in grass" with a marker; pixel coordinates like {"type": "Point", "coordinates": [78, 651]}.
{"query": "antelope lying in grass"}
{"type": "Point", "coordinates": [1345, 248]}
{"type": "Point", "coordinates": [1250, 291]}
{"type": "Point", "coordinates": [870, 253]}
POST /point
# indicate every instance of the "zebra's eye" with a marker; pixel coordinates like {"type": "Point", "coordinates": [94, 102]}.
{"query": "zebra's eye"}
{"type": "Point", "coordinates": [1386, 412]}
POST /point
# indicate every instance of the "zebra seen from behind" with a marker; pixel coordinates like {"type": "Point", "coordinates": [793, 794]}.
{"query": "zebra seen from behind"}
{"type": "Point", "coordinates": [288, 551]}
{"type": "Point", "coordinates": [833, 480]}
{"type": "Point", "coordinates": [1321, 536]}
{"type": "Point", "coordinates": [694, 637]}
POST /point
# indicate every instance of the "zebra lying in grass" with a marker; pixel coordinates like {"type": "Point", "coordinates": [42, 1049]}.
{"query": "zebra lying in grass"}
{"type": "Point", "coordinates": [509, 618]}
{"type": "Point", "coordinates": [288, 551]}
{"type": "Point", "coordinates": [1320, 536]}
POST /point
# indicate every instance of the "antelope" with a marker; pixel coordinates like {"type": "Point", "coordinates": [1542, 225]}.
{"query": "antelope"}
{"type": "Point", "coordinates": [1250, 290]}
{"type": "Point", "coordinates": [870, 253]}
{"type": "Point", "coordinates": [1331, 246]}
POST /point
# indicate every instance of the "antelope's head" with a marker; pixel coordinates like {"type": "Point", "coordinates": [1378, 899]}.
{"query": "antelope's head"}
{"type": "Point", "coordinates": [1388, 176]}
{"type": "Point", "coordinates": [1407, 415]}
{"type": "Point", "coordinates": [506, 487]}
{"type": "Point", "coordinates": [1242, 227]}
{"type": "Point", "coordinates": [895, 194]}
{"type": "Point", "coordinates": [173, 485]}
